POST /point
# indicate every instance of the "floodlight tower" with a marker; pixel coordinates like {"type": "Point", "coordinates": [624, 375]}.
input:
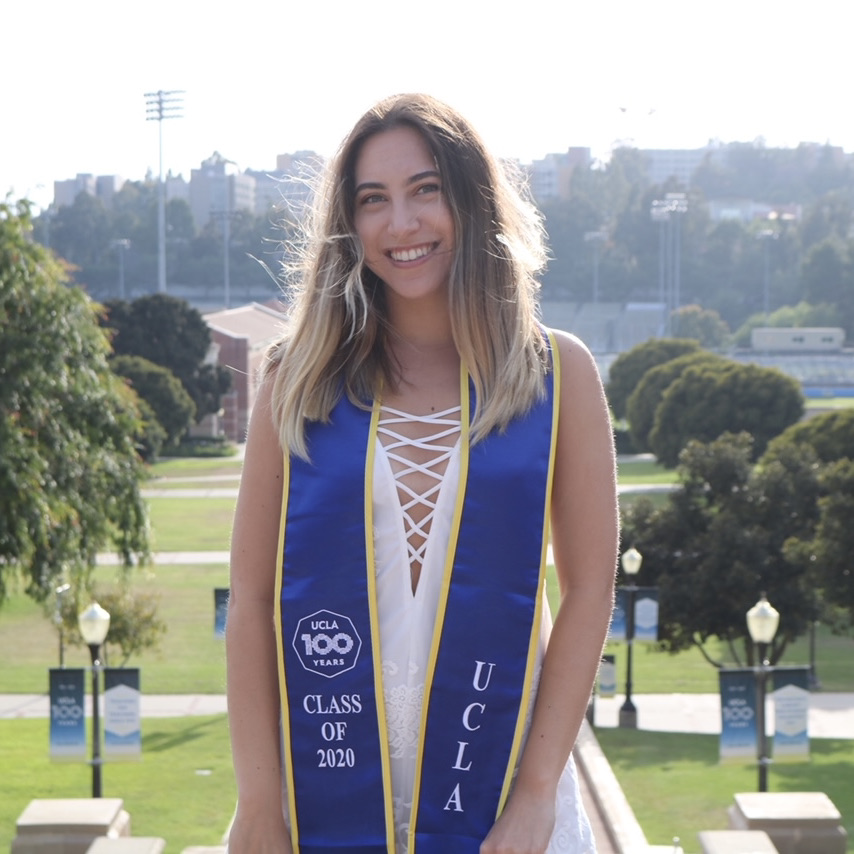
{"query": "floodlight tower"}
{"type": "Point", "coordinates": [161, 105]}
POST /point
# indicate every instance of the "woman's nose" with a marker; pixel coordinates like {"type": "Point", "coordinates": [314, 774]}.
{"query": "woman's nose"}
{"type": "Point", "coordinates": [404, 218]}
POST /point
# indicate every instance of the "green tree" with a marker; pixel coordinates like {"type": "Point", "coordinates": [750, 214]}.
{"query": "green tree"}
{"type": "Point", "coordinates": [829, 435]}
{"type": "Point", "coordinates": [80, 233]}
{"type": "Point", "coordinates": [134, 624]}
{"type": "Point", "coordinates": [831, 549]}
{"type": "Point", "coordinates": [151, 436]}
{"type": "Point", "coordinates": [69, 473]}
{"type": "Point", "coordinates": [721, 540]}
{"type": "Point", "coordinates": [162, 391]}
{"type": "Point", "coordinates": [629, 367]}
{"type": "Point", "coordinates": [709, 399]}
{"type": "Point", "coordinates": [826, 554]}
{"type": "Point", "coordinates": [826, 273]}
{"type": "Point", "coordinates": [645, 399]}
{"type": "Point", "coordinates": [829, 217]}
{"type": "Point", "coordinates": [703, 325]}
{"type": "Point", "coordinates": [170, 332]}
{"type": "Point", "coordinates": [725, 271]}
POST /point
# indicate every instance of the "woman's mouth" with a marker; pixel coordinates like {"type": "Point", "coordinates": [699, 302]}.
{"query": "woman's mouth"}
{"type": "Point", "coordinates": [411, 253]}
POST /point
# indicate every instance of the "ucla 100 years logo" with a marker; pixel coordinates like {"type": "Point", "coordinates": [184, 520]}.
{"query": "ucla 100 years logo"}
{"type": "Point", "coordinates": [327, 643]}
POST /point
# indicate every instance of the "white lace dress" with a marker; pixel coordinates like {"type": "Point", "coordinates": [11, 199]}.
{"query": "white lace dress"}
{"type": "Point", "coordinates": [416, 472]}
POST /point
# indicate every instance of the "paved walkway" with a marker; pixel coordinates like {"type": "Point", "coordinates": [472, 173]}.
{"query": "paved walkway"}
{"type": "Point", "coordinates": [831, 715]}
{"type": "Point", "coordinates": [153, 491]}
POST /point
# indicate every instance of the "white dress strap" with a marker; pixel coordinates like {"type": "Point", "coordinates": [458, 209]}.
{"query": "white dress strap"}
{"type": "Point", "coordinates": [418, 448]}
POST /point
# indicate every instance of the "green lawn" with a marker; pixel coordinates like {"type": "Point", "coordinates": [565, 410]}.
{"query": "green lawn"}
{"type": "Point", "coordinates": [184, 467]}
{"type": "Point", "coordinates": [221, 481]}
{"type": "Point", "coordinates": [190, 658]}
{"type": "Point", "coordinates": [676, 785]}
{"type": "Point", "coordinates": [191, 524]}
{"type": "Point", "coordinates": [182, 789]}
{"type": "Point", "coordinates": [829, 403]}
{"type": "Point", "coordinates": [645, 471]}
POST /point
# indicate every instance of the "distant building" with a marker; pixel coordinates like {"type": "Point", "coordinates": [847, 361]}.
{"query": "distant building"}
{"type": "Point", "coordinates": [664, 164]}
{"type": "Point", "coordinates": [106, 186]}
{"type": "Point", "coordinates": [177, 188]}
{"type": "Point", "coordinates": [288, 187]}
{"type": "Point", "coordinates": [218, 188]}
{"type": "Point", "coordinates": [607, 327]}
{"type": "Point", "coordinates": [797, 339]}
{"type": "Point", "coordinates": [239, 339]}
{"type": "Point", "coordinates": [550, 177]}
{"type": "Point", "coordinates": [102, 187]}
{"type": "Point", "coordinates": [747, 210]}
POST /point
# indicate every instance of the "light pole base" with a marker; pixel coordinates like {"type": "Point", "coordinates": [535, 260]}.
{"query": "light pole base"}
{"type": "Point", "coordinates": [629, 718]}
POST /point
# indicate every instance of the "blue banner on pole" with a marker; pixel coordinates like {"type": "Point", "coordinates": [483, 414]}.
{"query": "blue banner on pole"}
{"type": "Point", "coordinates": [122, 730]}
{"type": "Point", "coordinates": [607, 676]}
{"type": "Point", "coordinates": [646, 614]}
{"type": "Point", "coordinates": [791, 714]}
{"type": "Point", "coordinates": [617, 630]}
{"type": "Point", "coordinates": [220, 610]}
{"type": "Point", "coordinates": [67, 714]}
{"type": "Point", "coordinates": [738, 716]}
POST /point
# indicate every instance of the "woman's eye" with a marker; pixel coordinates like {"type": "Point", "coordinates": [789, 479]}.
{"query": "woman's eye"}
{"type": "Point", "coordinates": [429, 188]}
{"type": "Point", "coordinates": [370, 199]}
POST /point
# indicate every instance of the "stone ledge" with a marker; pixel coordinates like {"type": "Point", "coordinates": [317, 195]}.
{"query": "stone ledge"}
{"type": "Point", "coordinates": [796, 822]}
{"type": "Point", "coordinates": [128, 845]}
{"type": "Point", "coordinates": [736, 842]}
{"type": "Point", "coordinates": [623, 828]}
{"type": "Point", "coordinates": [68, 825]}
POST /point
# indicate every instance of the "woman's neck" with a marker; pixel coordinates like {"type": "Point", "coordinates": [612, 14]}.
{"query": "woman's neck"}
{"type": "Point", "coordinates": [421, 332]}
{"type": "Point", "coordinates": [427, 363]}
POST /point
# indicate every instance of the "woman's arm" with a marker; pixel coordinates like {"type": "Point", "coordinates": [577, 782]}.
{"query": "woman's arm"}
{"type": "Point", "coordinates": [585, 533]}
{"type": "Point", "coordinates": [253, 688]}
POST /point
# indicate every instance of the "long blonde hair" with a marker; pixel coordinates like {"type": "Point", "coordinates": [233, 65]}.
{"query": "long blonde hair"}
{"type": "Point", "coordinates": [336, 339]}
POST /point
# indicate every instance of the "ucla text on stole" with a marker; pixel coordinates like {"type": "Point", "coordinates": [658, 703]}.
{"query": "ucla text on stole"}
{"type": "Point", "coordinates": [346, 704]}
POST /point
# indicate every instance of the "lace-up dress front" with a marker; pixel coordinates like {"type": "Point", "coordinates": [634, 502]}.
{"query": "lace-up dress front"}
{"type": "Point", "coordinates": [416, 475]}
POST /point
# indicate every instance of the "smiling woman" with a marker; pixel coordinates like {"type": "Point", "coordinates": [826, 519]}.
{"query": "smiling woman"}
{"type": "Point", "coordinates": [416, 436]}
{"type": "Point", "coordinates": [402, 217]}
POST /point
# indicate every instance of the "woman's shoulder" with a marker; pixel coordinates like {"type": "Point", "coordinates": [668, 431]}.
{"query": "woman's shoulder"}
{"type": "Point", "coordinates": [579, 373]}
{"type": "Point", "coordinates": [571, 349]}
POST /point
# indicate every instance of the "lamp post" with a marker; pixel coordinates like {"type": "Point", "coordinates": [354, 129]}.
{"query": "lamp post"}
{"type": "Point", "coordinates": [94, 623]}
{"type": "Point", "coordinates": [631, 563]}
{"type": "Point", "coordinates": [766, 236]}
{"type": "Point", "coordinates": [597, 238]}
{"type": "Point", "coordinates": [762, 622]}
{"type": "Point", "coordinates": [122, 244]}
{"type": "Point", "coordinates": [814, 684]}
{"type": "Point", "coordinates": [162, 105]}
{"type": "Point", "coordinates": [668, 213]}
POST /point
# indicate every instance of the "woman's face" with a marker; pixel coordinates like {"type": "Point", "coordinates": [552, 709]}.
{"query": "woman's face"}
{"type": "Point", "coordinates": [402, 216]}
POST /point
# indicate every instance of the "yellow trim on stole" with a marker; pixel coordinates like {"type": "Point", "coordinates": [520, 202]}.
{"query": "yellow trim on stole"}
{"type": "Point", "coordinates": [533, 644]}
{"type": "Point", "coordinates": [465, 420]}
{"type": "Point", "coordinates": [379, 691]}
{"type": "Point", "coordinates": [287, 771]}
{"type": "Point", "coordinates": [388, 806]}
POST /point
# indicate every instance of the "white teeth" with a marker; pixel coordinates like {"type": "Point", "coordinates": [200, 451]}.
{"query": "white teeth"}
{"type": "Point", "coordinates": [409, 254]}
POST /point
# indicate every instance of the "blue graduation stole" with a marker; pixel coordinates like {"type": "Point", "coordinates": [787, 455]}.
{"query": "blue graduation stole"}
{"type": "Point", "coordinates": [484, 642]}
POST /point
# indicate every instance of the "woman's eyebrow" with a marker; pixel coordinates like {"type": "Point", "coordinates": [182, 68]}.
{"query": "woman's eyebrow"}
{"type": "Point", "coordinates": [369, 185]}
{"type": "Point", "coordinates": [378, 185]}
{"type": "Point", "coordinates": [429, 173]}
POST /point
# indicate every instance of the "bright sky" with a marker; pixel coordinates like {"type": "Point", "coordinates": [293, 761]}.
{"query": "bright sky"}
{"type": "Point", "coordinates": [264, 77]}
